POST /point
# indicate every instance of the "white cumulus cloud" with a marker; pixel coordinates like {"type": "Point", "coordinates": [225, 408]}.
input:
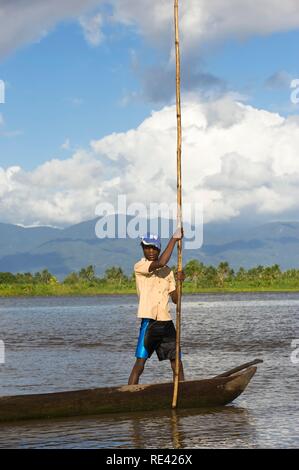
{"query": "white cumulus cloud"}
{"type": "Point", "coordinates": [25, 21]}
{"type": "Point", "coordinates": [201, 20]}
{"type": "Point", "coordinates": [235, 157]}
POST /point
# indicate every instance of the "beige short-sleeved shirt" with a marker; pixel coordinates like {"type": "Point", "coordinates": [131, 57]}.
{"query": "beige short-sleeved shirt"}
{"type": "Point", "coordinates": [153, 289]}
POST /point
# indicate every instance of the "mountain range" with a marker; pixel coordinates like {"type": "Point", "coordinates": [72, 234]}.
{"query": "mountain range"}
{"type": "Point", "coordinates": [62, 251]}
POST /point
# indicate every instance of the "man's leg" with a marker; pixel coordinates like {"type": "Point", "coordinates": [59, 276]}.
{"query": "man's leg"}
{"type": "Point", "coordinates": [181, 373]}
{"type": "Point", "coordinates": [136, 371]}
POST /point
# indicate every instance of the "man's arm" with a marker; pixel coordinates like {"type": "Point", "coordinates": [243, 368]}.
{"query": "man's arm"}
{"type": "Point", "coordinates": [166, 255]}
{"type": "Point", "coordinates": [174, 294]}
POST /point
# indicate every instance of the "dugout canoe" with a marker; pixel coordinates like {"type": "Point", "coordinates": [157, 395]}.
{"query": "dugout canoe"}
{"type": "Point", "coordinates": [216, 391]}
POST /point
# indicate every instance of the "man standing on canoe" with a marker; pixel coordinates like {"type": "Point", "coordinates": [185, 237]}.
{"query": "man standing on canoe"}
{"type": "Point", "coordinates": [155, 283]}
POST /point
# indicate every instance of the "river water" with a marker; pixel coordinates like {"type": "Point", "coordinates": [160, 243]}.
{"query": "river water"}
{"type": "Point", "coordinates": [55, 344]}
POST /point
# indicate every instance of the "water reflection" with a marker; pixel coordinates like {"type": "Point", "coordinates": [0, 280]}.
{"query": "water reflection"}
{"type": "Point", "coordinates": [173, 429]}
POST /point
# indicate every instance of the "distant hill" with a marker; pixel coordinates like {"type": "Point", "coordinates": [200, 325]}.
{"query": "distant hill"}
{"type": "Point", "coordinates": [65, 250]}
{"type": "Point", "coordinates": [14, 239]}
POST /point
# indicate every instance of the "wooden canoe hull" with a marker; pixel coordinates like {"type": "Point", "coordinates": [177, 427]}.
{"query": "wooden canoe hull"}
{"type": "Point", "coordinates": [217, 391]}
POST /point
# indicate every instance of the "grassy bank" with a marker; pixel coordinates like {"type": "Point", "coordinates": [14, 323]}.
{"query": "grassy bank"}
{"type": "Point", "coordinates": [46, 290]}
{"type": "Point", "coordinates": [198, 279]}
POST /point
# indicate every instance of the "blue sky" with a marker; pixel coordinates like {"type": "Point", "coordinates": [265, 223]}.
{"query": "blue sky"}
{"type": "Point", "coordinates": [61, 87]}
{"type": "Point", "coordinates": [62, 92]}
{"type": "Point", "coordinates": [248, 65]}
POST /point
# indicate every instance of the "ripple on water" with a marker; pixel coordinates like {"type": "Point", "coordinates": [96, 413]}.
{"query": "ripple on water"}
{"type": "Point", "coordinates": [63, 344]}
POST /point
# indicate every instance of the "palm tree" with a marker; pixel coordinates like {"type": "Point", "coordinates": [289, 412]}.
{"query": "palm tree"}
{"type": "Point", "coordinates": [194, 270]}
{"type": "Point", "coordinates": [72, 278]}
{"type": "Point", "coordinates": [115, 274]}
{"type": "Point", "coordinates": [224, 272]}
{"type": "Point", "coordinates": [87, 274]}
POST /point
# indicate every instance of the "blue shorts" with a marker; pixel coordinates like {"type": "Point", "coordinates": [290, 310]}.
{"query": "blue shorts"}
{"type": "Point", "coordinates": [156, 336]}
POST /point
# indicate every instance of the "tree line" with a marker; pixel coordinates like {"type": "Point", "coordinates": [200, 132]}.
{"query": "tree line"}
{"type": "Point", "coordinates": [197, 275]}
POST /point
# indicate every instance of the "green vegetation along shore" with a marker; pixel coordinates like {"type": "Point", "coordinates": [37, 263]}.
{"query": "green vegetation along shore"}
{"type": "Point", "coordinates": [199, 279]}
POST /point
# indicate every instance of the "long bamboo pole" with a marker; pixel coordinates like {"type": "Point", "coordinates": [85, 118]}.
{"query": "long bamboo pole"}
{"type": "Point", "coordinates": [179, 201]}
